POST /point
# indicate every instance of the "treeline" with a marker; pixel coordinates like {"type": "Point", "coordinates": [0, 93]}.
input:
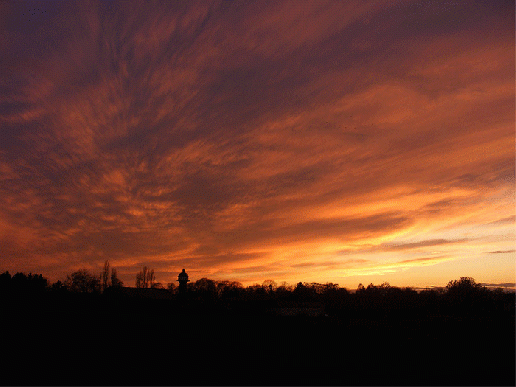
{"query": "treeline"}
{"type": "Point", "coordinates": [90, 330]}
{"type": "Point", "coordinates": [80, 281]}
{"type": "Point", "coordinates": [462, 296]}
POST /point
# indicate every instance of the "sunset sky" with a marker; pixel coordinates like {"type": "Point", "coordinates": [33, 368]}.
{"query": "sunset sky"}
{"type": "Point", "coordinates": [341, 141]}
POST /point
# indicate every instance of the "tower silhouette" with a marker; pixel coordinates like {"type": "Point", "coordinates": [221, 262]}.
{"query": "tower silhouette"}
{"type": "Point", "coordinates": [183, 280]}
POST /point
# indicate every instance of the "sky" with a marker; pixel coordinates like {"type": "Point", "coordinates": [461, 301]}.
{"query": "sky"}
{"type": "Point", "coordinates": [300, 141]}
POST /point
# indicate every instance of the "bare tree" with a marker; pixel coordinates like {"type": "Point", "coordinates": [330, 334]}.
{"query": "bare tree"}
{"type": "Point", "coordinates": [150, 279]}
{"type": "Point", "coordinates": [115, 282]}
{"type": "Point", "coordinates": [269, 285]}
{"type": "Point", "coordinates": [172, 287]}
{"type": "Point", "coordinates": [145, 278]}
{"type": "Point", "coordinates": [82, 281]}
{"type": "Point", "coordinates": [139, 280]}
{"type": "Point", "coordinates": [108, 277]}
{"type": "Point", "coordinates": [105, 276]}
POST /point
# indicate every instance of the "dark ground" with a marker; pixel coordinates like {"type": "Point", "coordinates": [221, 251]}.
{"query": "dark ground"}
{"type": "Point", "coordinates": [96, 340]}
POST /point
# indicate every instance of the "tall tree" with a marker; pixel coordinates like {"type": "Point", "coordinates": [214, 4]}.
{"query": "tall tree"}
{"type": "Point", "coordinates": [139, 279]}
{"type": "Point", "coordinates": [150, 278]}
{"type": "Point", "coordinates": [105, 276]}
{"type": "Point", "coordinates": [115, 282]}
{"type": "Point", "coordinates": [145, 278]}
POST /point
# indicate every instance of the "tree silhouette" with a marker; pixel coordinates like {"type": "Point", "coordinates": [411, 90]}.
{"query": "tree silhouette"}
{"type": "Point", "coordinates": [81, 281]}
{"type": "Point", "coordinates": [172, 287]}
{"type": "Point", "coordinates": [463, 285]}
{"type": "Point", "coordinates": [206, 289]}
{"type": "Point", "coordinates": [28, 283]}
{"type": "Point", "coordinates": [5, 281]}
{"type": "Point", "coordinates": [105, 276]}
{"type": "Point", "coordinates": [58, 286]}
{"type": "Point", "coordinates": [269, 285]}
{"type": "Point", "coordinates": [115, 282]}
{"type": "Point", "coordinates": [303, 292]}
{"type": "Point", "coordinates": [145, 278]}
{"type": "Point", "coordinates": [465, 293]}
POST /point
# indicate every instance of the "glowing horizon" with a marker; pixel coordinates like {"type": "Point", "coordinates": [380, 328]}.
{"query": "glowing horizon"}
{"type": "Point", "coordinates": [343, 142]}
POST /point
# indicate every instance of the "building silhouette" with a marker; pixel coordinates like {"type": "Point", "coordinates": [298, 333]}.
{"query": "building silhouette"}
{"type": "Point", "coordinates": [183, 280]}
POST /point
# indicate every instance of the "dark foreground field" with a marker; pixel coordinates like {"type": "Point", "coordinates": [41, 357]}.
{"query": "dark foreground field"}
{"type": "Point", "coordinates": [99, 340]}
